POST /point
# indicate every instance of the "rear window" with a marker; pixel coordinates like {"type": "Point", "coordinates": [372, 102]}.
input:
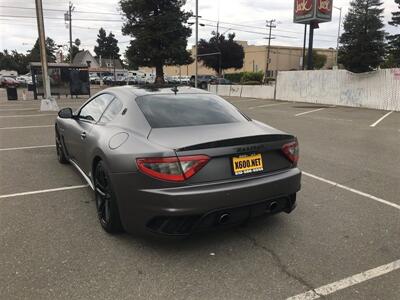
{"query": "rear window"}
{"type": "Point", "coordinates": [162, 111]}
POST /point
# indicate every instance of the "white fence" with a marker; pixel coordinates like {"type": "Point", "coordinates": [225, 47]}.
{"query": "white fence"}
{"type": "Point", "coordinates": [377, 90]}
{"type": "Point", "coordinates": [247, 91]}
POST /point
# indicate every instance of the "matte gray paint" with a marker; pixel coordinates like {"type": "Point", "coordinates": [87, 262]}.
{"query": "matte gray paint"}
{"type": "Point", "coordinates": [140, 197]}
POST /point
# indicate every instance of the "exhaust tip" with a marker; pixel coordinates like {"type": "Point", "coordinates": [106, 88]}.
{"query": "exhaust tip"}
{"type": "Point", "coordinates": [273, 206]}
{"type": "Point", "coordinates": [224, 218]}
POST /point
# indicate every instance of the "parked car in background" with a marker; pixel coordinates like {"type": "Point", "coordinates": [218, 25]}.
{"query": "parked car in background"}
{"type": "Point", "coordinates": [94, 79]}
{"type": "Point", "coordinates": [108, 80]}
{"type": "Point", "coordinates": [6, 81]}
{"type": "Point", "coordinates": [141, 79]}
{"type": "Point", "coordinates": [151, 79]}
{"type": "Point", "coordinates": [202, 81]}
{"type": "Point", "coordinates": [179, 79]}
{"type": "Point", "coordinates": [130, 80]}
{"type": "Point", "coordinates": [220, 81]}
{"type": "Point", "coordinates": [24, 79]}
{"type": "Point", "coordinates": [185, 80]}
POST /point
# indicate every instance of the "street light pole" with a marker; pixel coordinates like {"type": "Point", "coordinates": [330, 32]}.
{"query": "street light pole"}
{"type": "Point", "coordinates": [47, 103]}
{"type": "Point", "coordinates": [197, 44]}
{"type": "Point", "coordinates": [338, 37]}
{"type": "Point", "coordinates": [70, 9]}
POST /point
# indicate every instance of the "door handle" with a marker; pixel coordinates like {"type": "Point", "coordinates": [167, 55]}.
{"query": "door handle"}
{"type": "Point", "coordinates": [83, 135]}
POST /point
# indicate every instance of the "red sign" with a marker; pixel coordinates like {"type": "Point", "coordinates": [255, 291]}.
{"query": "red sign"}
{"type": "Point", "coordinates": [303, 7]}
{"type": "Point", "coordinates": [312, 11]}
{"type": "Point", "coordinates": [324, 7]}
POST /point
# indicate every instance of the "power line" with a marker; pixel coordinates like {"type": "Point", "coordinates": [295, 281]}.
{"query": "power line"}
{"type": "Point", "coordinates": [58, 18]}
{"type": "Point", "coordinates": [116, 14]}
{"type": "Point", "coordinates": [262, 33]}
{"type": "Point", "coordinates": [61, 10]}
{"type": "Point", "coordinates": [259, 27]}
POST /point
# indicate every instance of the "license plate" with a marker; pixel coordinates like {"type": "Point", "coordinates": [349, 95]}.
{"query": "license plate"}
{"type": "Point", "coordinates": [246, 164]}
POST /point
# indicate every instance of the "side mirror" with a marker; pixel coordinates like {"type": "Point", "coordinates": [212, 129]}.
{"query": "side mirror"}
{"type": "Point", "coordinates": [66, 113]}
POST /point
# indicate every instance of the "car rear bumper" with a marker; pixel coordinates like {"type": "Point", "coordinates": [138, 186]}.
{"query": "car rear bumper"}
{"type": "Point", "coordinates": [186, 209]}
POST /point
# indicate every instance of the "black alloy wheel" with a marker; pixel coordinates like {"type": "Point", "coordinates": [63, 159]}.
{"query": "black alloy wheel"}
{"type": "Point", "coordinates": [107, 210]}
{"type": "Point", "coordinates": [62, 158]}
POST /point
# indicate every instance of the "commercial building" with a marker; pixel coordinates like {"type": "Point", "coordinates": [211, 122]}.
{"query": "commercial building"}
{"type": "Point", "coordinates": [282, 58]}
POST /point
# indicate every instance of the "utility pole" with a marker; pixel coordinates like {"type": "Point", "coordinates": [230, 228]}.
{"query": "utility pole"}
{"type": "Point", "coordinates": [70, 10]}
{"type": "Point", "coordinates": [270, 25]}
{"type": "Point", "coordinates": [47, 104]}
{"type": "Point", "coordinates": [197, 44]}
{"type": "Point", "coordinates": [219, 49]}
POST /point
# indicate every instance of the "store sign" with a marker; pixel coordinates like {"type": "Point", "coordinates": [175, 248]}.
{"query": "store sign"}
{"type": "Point", "coordinates": [307, 11]}
{"type": "Point", "coordinates": [324, 10]}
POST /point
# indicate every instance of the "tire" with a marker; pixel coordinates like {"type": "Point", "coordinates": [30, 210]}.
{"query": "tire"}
{"type": "Point", "coordinates": [62, 158]}
{"type": "Point", "coordinates": [106, 203]}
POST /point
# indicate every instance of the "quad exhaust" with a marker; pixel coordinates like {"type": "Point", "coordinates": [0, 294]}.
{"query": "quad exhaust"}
{"type": "Point", "coordinates": [223, 219]}
{"type": "Point", "coordinates": [273, 206]}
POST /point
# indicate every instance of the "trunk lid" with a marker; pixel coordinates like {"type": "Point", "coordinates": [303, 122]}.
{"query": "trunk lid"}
{"type": "Point", "coordinates": [225, 142]}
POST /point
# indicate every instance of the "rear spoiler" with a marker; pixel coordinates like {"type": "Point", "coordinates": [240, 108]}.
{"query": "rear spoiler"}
{"type": "Point", "coordinates": [240, 141]}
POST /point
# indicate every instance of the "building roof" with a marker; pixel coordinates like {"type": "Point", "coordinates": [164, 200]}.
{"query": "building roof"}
{"type": "Point", "coordinates": [58, 65]}
{"type": "Point", "coordinates": [107, 63]}
{"type": "Point", "coordinates": [78, 58]}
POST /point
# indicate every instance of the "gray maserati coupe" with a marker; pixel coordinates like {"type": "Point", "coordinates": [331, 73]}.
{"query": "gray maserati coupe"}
{"type": "Point", "coordinates": [175, 161]}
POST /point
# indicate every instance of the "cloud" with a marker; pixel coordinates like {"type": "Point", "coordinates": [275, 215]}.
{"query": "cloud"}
{"type": "Point", "coordinates": [21, 33]}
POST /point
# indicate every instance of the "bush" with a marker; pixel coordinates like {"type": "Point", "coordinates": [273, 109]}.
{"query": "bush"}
{"type": "Point", "coordinates": [234, 77]}
{"type": "Point", "coordinates": [252, 77]}
{"type": "Point", "coordinates": [251, 83]}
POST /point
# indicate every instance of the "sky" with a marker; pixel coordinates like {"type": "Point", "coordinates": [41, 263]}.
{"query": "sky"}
{"type": "Point", "coordinates": [246, 18]}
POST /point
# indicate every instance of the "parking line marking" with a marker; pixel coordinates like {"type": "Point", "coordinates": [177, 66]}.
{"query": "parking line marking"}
{"type": "Point", "coordinates": [352, 190]}
{"type": "Point", "coordinates": [381, 119]}
{"type": "Point", "coordinates": [244, 100]}
{"type": "Point", "coordinates": [24, 148]}
{"type": "Point", "coordinates": [347, 282]}
{"type": "Point", "coordinates": [44, 191]}
{"type": "Point", "coordinates": [23, 116]}
{"type": "Point", "coordinates": [11, 109]}
{"type": "Point", "coordinates": [309, 112]}
{"type": "Point", "coordinates": [26, 127]}
{"type": "Point", "coordinates": [267, 105]}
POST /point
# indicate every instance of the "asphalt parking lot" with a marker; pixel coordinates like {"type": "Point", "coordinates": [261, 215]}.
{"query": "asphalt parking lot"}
{"type": "Point", "coordinates": [342, 241]}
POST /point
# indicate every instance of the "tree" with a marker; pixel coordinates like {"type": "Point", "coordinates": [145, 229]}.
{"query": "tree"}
{"type": "Point", "coordinates": [6, 61]}
{"type": "Point", "coordinates": [159, 32]}
{"type": "Point", "coordinates": [394, 41]}
{"type": "Point", "coordinates": [14, 61]}
{"type": "Point", "coordinates": [75, 51]}
{"type": "Point", "coordinates": [318, 59]}
{"type": "Point", "coordinates": [21, 60]}
{"type": "Point", "coordinates": [107, 46]}
{"type": "Point", "coordinates": [363, 41]}
{"type": "Point", "coordinates": [112, 45]}
{"type": "Point", "coordinates": [231, 53]}
{"type": "Point", "coordinates": [34, 54]}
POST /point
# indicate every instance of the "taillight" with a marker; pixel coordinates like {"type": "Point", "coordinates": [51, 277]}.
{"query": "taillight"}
{"type": "Point", "coordinates": [172, 168]}
{"type": "Point", "coordinates": [291, 150]}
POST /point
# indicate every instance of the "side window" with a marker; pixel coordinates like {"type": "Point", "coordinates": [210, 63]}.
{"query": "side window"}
{"type": "Point", "coordinates": [112, 110]}
{"type": "Point", "coordinates": [95, 108]}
